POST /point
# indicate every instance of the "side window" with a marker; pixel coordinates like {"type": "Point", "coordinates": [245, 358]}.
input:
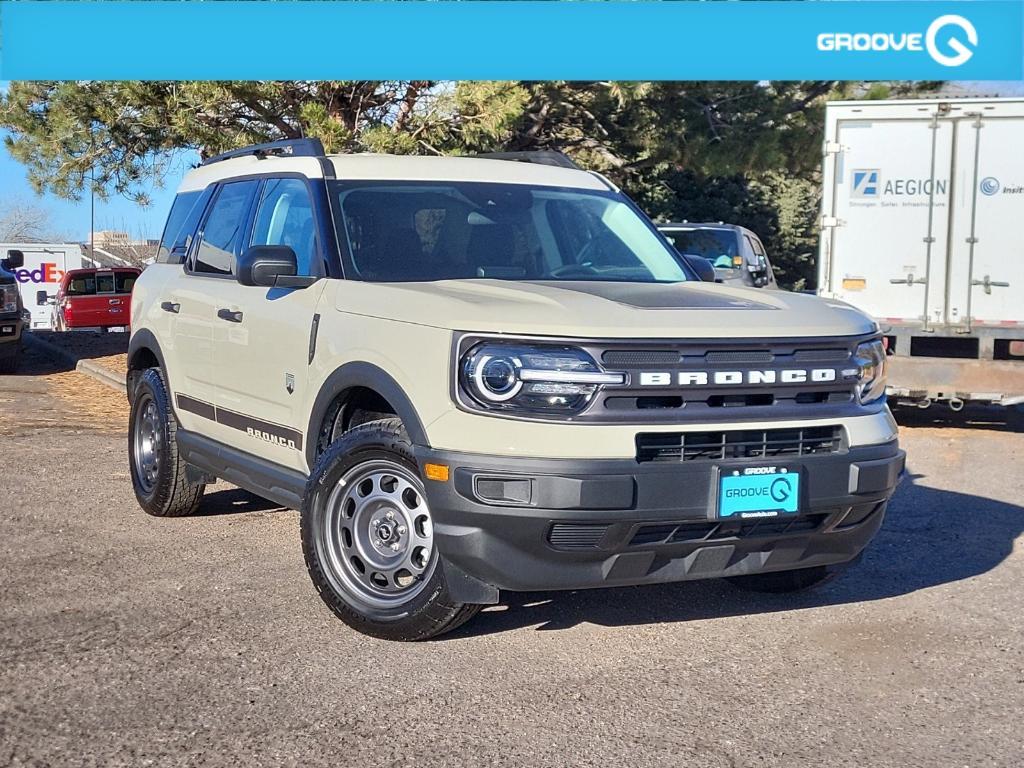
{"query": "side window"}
{"type": "Point", "coordinates": [215, 254]}
{"type": "Point", "coordinates": [184, 214]}
{"type": "Point", "coordinates": [285, 217]}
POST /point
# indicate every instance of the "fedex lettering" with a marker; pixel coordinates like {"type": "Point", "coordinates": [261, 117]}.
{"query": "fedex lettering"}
{"type": "Point", "coordinates": [46, 273]}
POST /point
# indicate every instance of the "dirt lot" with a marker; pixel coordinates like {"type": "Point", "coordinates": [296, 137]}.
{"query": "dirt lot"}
{"type": "Point", "coordinates": [127, 640]}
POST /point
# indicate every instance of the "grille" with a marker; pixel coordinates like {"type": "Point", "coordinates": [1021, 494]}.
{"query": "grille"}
{"type": "Point", "coordinates": [737, 444]}
{"type": "Point", "coordinates": [575, 535]}
{"type": "Point", "coordinates": [640, 357]}
{"type": "Point", "coordinates": [752, 356]}
{"type": "Point", "coordinates": [682, 533]}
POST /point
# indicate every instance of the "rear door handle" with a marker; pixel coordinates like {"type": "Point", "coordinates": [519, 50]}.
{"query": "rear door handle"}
{"type": "Point", "coordinates": [170, 306]}
{"type": "Point", "coordinates": [232, 316]}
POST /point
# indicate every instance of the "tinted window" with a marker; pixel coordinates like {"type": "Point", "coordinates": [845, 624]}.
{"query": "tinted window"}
{"type": "Point", "coordinates": [719, 246]}
{"type": "Point", "coordinates": [451, 230]}
{"type": "Point", "coordinates": [285, 217]}
{"type": "Point", "coordinates": [125, 281]}
{"type": "Point", "coordinates": [223, 229]}
{"type": "Point", "coordinates": [82, 286]}
{"type": "Point", "coordinates": [181, 223]}
{"type": "Point", "coordinates": [104, 282]}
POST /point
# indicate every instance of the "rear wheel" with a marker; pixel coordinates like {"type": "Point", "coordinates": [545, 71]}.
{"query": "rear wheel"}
{"type": "Point", "coordinates": [158, 473]}
{"type": "Point", "coordinates": [9, 364]}
{"type": "Point", "coordinates": [781, 582]}
{"type": "Point", "coordinates": [367, 535]}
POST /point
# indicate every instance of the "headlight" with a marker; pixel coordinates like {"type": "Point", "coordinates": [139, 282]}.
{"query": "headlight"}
{"type": "Point", "coordinates": [870, 359]}
{"type": "Point", "coordinates": [532, 379]}
{"type": "Point", "coordinates": [8, 298]}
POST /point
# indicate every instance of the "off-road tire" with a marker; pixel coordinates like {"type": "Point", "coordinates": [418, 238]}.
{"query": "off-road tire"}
{"type": "Point", "coordinates": [171, 493]}
{"type": "Point", "coordinates": [431, 611]}
{"type": "Point", "coordinates": [9, 365]}
{"type": "Point", "coordinates": [782, 582]}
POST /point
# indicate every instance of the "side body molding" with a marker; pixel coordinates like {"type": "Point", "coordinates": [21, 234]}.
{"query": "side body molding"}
{"type": "Point", "coordinates": [143, 339]}
{"type": "Point", "coordinates": [361, 374]}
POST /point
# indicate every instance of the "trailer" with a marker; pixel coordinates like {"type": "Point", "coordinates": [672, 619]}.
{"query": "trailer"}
{"type": "Point", "coordinates": [922, 214]}
{"type": "Point", "coordinates": [44, 267]}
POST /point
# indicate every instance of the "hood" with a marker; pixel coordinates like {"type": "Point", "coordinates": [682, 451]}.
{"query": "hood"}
{"type": "Point", "coordinates": [603, 309]}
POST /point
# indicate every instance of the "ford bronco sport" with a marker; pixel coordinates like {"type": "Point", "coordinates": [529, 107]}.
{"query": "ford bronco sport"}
{"type": "Point", "coordinates": [475, 374]}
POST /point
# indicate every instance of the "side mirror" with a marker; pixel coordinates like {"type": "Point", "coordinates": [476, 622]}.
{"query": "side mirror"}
{"type": "Point", "coordinates": [704, 269]}
{"type": "Point", "coordinates": [270, 266]}
{"type": "Point", "coordinates": [42, 298]}
{"type": "Point", "coordinates": [14, 260]}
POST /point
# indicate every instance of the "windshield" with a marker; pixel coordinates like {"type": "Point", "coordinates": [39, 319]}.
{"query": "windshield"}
{"type": "Point", "coordinates": [396, 232]}
{"type": "Point", "coordinates": [719, 246]}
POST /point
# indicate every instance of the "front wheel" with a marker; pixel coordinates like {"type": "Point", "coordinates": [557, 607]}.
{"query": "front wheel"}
{"type": "Point", "coordinates": [367, 535]}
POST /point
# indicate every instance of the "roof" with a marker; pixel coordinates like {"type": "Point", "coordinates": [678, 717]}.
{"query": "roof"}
{"type": "Point", "coordinates": [379, 167]}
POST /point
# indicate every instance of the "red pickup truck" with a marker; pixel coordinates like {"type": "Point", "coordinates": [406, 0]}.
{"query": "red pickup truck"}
{"type": "Point", "coordinates": [93, 298]}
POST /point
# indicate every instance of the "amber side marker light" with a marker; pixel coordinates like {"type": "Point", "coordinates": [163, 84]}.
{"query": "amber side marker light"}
{"type": "Point", "coordinates": [437, 472]}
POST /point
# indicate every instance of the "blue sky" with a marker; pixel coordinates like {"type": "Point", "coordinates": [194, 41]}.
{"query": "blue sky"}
{"type": "Point", "coordinates": [71, 219]}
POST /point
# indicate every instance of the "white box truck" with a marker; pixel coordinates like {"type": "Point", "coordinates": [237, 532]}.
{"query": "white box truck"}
{"type": "Point", "coordinates": [45, 265]}
{"type": "Point", "coordinates": [922, 210]}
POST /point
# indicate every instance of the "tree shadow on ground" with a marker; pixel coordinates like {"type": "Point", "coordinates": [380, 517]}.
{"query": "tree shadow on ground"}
{"type": "Point", "coordinates": [930, 537]}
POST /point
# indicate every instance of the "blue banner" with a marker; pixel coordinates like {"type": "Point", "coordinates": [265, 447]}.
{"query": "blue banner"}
{"type": "Point", "coordinates": [844, 40]}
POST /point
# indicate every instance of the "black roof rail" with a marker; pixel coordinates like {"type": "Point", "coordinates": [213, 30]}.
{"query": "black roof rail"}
{"type": "Point", "coordinates": [539, 156]}
{"type": "Point", "coordinates": [284, 147]}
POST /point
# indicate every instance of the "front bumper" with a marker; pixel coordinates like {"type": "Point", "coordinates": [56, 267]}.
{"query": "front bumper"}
{"type": "Point", "coordinates": [576, 524]}
{"type": "Point", "coordinates": [10, 335]}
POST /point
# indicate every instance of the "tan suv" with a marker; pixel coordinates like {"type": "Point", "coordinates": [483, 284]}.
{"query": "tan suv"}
{"type": "Point", "coordinates": [476, 374]}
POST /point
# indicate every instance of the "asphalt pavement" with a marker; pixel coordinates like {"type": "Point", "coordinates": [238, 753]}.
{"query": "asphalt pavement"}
{"type": "Point", "coordinates": [132, 641]}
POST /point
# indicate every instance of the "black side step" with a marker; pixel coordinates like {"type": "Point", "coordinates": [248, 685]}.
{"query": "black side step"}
{"type": "Point", "coordinates": [264, 478]}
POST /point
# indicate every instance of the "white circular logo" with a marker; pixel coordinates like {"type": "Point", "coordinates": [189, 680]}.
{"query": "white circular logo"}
{"type": "Point", "coordinates": [989, 185]}
{"type": "Point", "coordinates": [963, 53]}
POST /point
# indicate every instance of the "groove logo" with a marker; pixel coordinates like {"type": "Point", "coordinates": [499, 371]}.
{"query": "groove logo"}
{"type": "Point", "coordinates": [46, 272]}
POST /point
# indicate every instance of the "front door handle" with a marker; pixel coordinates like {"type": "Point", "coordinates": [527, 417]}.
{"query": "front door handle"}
{"type": "Point", "coordinates": [170, 306]}
{"type": "Point", "coordinates": [231, 315]}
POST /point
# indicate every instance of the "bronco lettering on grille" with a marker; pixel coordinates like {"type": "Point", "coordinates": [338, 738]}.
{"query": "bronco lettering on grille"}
{"type": "Point", "coordinates": [734, 378]}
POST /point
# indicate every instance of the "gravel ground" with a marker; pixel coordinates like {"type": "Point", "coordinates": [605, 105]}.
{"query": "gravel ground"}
{"type": "Point", "coordinates": [128, 640]}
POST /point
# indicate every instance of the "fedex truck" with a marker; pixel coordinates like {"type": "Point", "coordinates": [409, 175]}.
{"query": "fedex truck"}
{"type": "Point", "coordinates": [45, 265]}
{"type": "Point", "coordinates": [922, 209]}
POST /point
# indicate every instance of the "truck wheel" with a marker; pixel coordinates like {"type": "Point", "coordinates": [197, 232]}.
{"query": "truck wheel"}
{"type": "Point", "coordinates": [781, 582]}
{"type": "Point", "coordinates": [368, 540]}
{"type": "Point", "coordinates": [158, 472]}
{"type": "Point", "coordinates": [9, 365]}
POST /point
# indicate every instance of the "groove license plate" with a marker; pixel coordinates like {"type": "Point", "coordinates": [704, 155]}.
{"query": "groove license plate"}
{"type": "Point", "coordinates": [758, 492]}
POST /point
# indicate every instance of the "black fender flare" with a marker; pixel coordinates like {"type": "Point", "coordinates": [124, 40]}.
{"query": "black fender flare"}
{"type": "Point", "coordinates": [362, 374]}
{"type": "Point", "coordinates": [144, 339]}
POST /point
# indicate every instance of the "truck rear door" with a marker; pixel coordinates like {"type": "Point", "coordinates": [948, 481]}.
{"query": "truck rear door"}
{"type": "Point", "coordinates": [887, 235]}
{"type": "Point", "coordinates": [986, 271]}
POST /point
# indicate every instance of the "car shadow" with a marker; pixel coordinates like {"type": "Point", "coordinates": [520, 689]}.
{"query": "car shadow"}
{"type": "Point", "coordinates": [234, 501]}
{"type": "Point", "coordinates": [930, 537]}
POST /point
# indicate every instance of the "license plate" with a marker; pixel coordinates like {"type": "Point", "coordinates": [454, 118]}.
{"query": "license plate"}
{"type": "Point", "coordinates": [758, 492]}
{"type": "Point", "coordinates": [7, 330]}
